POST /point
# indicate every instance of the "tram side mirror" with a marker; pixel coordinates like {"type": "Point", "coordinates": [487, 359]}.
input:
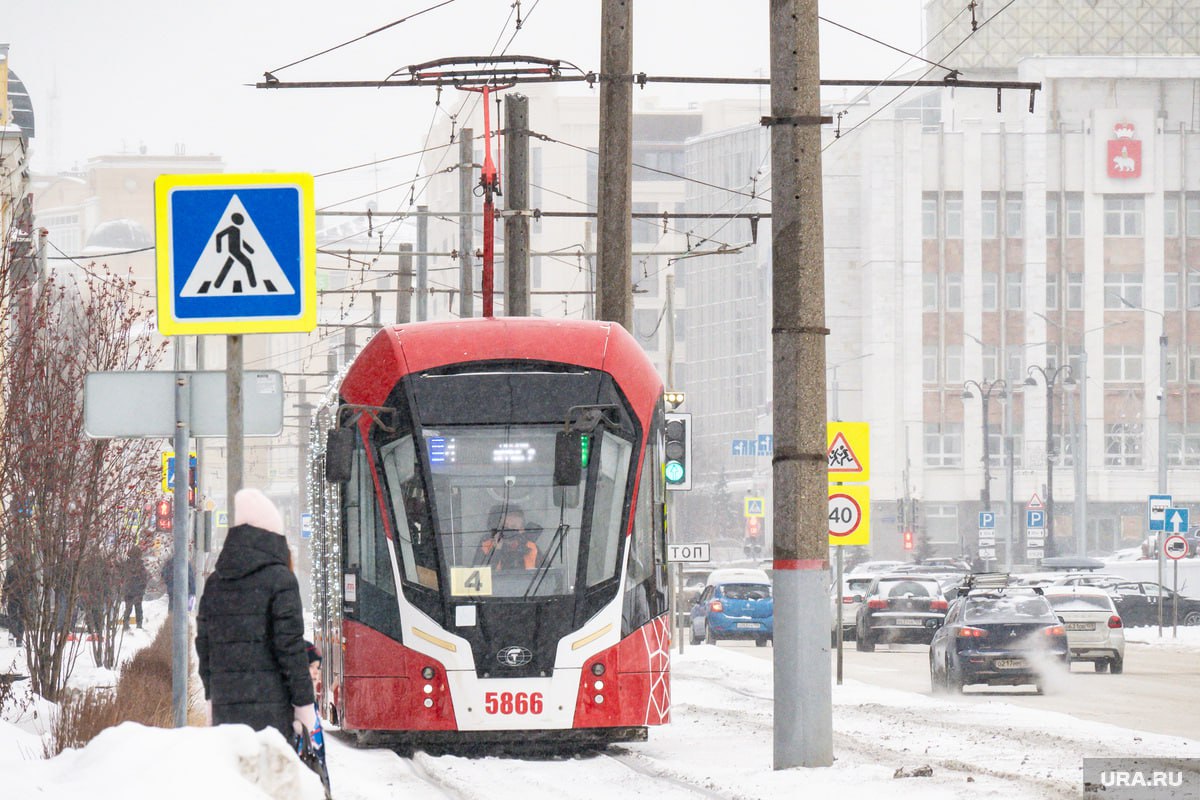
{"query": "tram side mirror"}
{"type": "Point", "coordinates": [568, 458]}
{"type": "Point", "coordinates": [339, 454]}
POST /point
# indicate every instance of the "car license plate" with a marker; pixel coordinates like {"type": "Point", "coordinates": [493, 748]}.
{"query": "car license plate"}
{"type": "Point", "coordinates": [908, 621]}
{"type": "Point", "coordinates": [1081, 626]}
{"type": "Point", "coordinates": [1010, 663]}
{"type": "Point", "coordinates": [748, 625]}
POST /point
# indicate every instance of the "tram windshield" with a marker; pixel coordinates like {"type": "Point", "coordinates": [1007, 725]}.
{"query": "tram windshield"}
{"type": "Point", "coordinates": [504, 529]}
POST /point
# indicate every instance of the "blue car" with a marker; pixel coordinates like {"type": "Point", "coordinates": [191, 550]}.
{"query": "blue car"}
{"type": "Point", "coordinates": [735, 604]}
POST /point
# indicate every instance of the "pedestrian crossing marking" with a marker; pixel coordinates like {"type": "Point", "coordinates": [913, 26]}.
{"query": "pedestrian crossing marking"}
{"type": "Point", "coordinates": [236, 260]}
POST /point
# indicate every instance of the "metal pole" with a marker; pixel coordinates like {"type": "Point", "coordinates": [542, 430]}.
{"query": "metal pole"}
{"type": "Point", "coordinates": [422, 263]}
{"type": "Point", "coordinates": [404, 290]}
{"type": "Point", "coordinates": [1174, 603]}
{"type": "Point", "coordinates": [305, 553]}
{"type": "Point", "coordinates": [1050, 547]}
{"type": "Point", "coordinates": [670, 322]}
{"type": "Point", "coordinates": [987, 454]}
{"type": "Point", "coordinates": [1081, 471]}
{"type": "Point", "coordinates": [1009, 500]}
{"type": "Point", "coordinates": [466, 233]}
{"type": "Point", "coordinates": [803, 703]}
{"type": "Point", "coordinates": [615, 177]}
{"type": "Point", "coordinates": [840, 616]}
{"type": "Point", "coordinates": [1162, 453]}
{"type": "Point", "coordinates": [179, 593]}
{"type": "Point", "coordinates": [516, 198]}
{"type": "Point", "coordinates": [234, 440]}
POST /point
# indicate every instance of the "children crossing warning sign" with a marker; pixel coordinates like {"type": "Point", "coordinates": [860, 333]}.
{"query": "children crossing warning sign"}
{"type": "Point", "coordinates": [849, 451]}
{"type": "Point", "coordinates": [236, 253]}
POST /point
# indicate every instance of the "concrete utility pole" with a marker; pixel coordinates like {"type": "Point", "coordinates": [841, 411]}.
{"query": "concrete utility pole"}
{"type": "Point", "coordinates": [516, 224]}
{"type": "Point", "coordinates": [404, 291]}
{"type": "Point", "coordinates": [422, 263]}
{"type": "Point", "coordinates": [614, 284]}
{"type": "Point", "coordinates": [803, 718]}
{"type": "Point", "coordinates": [466, 233]}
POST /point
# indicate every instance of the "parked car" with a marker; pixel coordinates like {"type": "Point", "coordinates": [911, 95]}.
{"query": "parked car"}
{"type": "Point", "coordinates": [998, 636]}
{"type": "Point", "coordinates": [735, 604]}
{"type": "Point", "coordinates": [958, 564]}
{"type": "Point", "coordinates": [854, 587]}
{"type": "Point", "coordinates": [1137, 603]}
{"type": "Point", "coordinates": [875, 567]}
{"type": "Point", "coordinates": [1094, 629]}
{"type": "Point", "coordinates": [900, 608]}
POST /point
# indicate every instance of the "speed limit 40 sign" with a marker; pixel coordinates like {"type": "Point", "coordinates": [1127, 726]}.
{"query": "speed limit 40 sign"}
{"type": "Point", "coordinates": [849, 515]}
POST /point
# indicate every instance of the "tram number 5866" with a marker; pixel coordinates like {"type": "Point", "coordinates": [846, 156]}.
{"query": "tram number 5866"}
{"type": "Point", "coordinates": [512, 703]}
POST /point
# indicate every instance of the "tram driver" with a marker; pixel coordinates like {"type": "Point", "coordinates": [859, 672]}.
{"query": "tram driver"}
{"type": "Point", "coordinates": [511, 544]}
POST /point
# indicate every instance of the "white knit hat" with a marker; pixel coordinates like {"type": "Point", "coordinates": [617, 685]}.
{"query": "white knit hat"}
{"type": "Point", "coordinates": [252, 507]}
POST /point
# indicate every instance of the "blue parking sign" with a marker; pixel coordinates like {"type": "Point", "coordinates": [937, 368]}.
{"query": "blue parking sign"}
{"type": "Point", "coordinates": [987, 519]}
{"type": "Point", "coordinates": [1035, 519]}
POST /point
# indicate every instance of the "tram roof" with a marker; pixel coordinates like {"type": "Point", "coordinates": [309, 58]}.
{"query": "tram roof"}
{"type": "Point", "coordinates": [399, 350]}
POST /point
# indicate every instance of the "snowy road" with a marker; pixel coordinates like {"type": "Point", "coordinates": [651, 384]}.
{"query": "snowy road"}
{"type": "Point", "coordinates": [719, 745]}
{"type": "Point", "coordinates": [1154, 694]}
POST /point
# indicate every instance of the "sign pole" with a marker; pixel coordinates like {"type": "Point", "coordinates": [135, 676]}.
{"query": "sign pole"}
{"type": "Point", "coordinates": [840, 589]}
{"type": "Point", "coordinates": [1158, 556]}
{"type": "Point", "coordinates": [234, 423]}
{"type": "Point", "coordinates": [1175, 604]}
{"type": "Point", "coordinates": [179, 591]}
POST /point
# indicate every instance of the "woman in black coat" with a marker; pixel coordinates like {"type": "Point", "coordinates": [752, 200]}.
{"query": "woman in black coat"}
{"type": "Point", "coordinates": [250, 627]}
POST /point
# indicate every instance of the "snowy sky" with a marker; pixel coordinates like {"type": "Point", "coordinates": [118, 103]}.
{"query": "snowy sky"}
{"type": "Point", "coordinates": [112, 76]}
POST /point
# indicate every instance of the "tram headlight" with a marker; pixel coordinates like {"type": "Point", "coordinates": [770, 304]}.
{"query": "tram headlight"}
{"type": "Point", "coordinates": [598, 668]}
{"type": "Point", "coordinates": [428, 672]}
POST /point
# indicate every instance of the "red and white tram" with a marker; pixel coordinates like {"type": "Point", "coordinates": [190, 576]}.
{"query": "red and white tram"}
{"type": "Point", "coordinates": [489, 547]}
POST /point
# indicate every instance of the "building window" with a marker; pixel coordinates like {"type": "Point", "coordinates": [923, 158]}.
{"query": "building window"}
{"type": "Point", "coordinates": [1052, 361]}
{"type": "Point", "coordinates": [1192, 222]}
{"type": "Point", "coordinates": [929, 215]}
{"type": "Point", "coordinates": [929, 291]}
{"type": "Point", "coordinates": [1063, 444]}
{"type": "Point", "coordinates": [1014, 215]}
{"type": "Point", "coordinates": [1074, 291]}
{"type": "Point", "coordinates": [1051, 291]}
{"type": "Point", "coordinates": [1183, 446]}
{"type": "Point", "coordinates": [1123, 215]}
{"type": "Point", "coordinates": [1015, 361]}
{"type": "Point", "coordinates": [943, 444]}
{"type": "Point", "coordinates": [954, 365]}
{"type": "Point", "coordinates": [1123, 444]}
{"type": "Point", "coordinates": [991, 362]}
{"type": "Point", "coordinates": [1120, 286]}
{"type": "Point", "coordinates": [1014, 290]}
{"type": "Point", "coordinates": [954, 215]}
{"type": "Point", "coordinates": [954, 291]}
{"type": "Point", "coordinates": [1193, 368]}
{"type": "Point", "coordinates": [1074, 215]}
{"type": "Point", "coordinates": [929, 363]}
{"type": "Point", "coordinates": [991, 291]}
{"type": "Point", "coordinates": [1051, 214]}
{"type": "Point", "coordinates": [1075, 359]}
{"type": "Point", "coordinates": [990, 221]}
{"type": "Point", "coordinates": [1171, 291]}
{"type": "Point", "coordinates": [1123, 363]}
{"type": "Point", "coordinates": [941, 525]}
{"type": "Point", "coordinates": [1193, 290]}
{"type": "Point", "coordinates": [1171, 214]}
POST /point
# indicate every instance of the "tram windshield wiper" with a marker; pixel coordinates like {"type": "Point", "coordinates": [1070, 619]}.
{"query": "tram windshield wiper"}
{"type": "Point", "coordinates": [543, 569]}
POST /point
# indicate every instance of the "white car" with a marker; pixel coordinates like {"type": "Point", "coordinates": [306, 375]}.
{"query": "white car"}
{"type": "Point", "coordinates": [1094, 629]}
{"type": "Point", "coordinates": [851, 597]}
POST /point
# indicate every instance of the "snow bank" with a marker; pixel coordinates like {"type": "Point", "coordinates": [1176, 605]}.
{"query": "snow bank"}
{"type": "Point", "coordinates": [133, 762]}
{"type": "Point", "coordinates": [1186, 639]}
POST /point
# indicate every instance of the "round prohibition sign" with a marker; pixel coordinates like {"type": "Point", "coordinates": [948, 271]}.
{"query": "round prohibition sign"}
{"type": "Point", "coordinates": [845, 515]}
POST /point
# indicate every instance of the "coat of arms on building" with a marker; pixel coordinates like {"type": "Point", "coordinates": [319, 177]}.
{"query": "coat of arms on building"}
{"type": "Point", "coordinates": [1124, 152]}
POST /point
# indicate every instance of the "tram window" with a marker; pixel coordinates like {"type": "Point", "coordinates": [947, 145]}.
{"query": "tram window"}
{"type": "Point", "coordinates": [366, 544]}
{"type": "Point", "coordinates": [607, 511]}
{"type": "Point", "coordinates": [418, 558]}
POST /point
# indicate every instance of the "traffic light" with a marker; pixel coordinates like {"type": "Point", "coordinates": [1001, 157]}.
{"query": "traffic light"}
{"type": "Point", "coordinates": [908, 540]}
{"type": "Point", "coordinates": [163, 515]}
{"type": "Point", "coordinates": [677, 448]}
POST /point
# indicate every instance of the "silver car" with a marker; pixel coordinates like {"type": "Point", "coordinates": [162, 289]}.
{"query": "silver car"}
{"type": "Point", "coordinates": [1094, 629]}
{"type": "Point", "coordinates": [851, 598]}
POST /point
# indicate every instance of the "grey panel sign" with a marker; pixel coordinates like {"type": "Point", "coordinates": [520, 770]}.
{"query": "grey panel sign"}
{"type": "Point", "coordinates": [131, 405]}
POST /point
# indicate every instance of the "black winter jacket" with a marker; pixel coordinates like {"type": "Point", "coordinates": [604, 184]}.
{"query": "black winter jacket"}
{"type": "Point", "coordinates": [250, 634]}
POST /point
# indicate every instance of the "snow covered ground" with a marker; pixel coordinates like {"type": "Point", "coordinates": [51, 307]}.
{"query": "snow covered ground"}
{"type": "Point", "coordinates": [719, 745]}
{"type": "Point", "coordinates": [1185, 637]}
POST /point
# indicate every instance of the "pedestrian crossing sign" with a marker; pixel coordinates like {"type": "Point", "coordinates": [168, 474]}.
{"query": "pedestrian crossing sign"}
{"type": "Point", "coordinates": [236, 253]}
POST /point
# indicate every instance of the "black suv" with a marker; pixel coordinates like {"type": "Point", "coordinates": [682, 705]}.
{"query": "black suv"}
{"type": "Point", "coordinates": [900, 608]}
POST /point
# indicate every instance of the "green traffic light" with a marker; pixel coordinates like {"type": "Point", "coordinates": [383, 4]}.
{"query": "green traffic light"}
{"type": "Point", "coordinates": [674, 472]}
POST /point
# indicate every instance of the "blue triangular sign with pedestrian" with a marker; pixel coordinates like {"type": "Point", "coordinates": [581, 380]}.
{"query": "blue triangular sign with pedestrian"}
{"type": "Point", "coordinates": [236, 260]}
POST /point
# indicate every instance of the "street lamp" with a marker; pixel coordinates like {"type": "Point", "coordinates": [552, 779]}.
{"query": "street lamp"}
{"type": "Point", "coordinates": [833, 385]}
{"type": "Point", "coordinates": [985, 390]}
{"type": "Point", "coordinates": [1050, 376]}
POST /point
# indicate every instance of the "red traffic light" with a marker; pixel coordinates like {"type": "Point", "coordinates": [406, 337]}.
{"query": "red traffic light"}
{"type": "Point", "coordinates": [163, 516]}
{"type": "Point", "coordinates": [908, 540]}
